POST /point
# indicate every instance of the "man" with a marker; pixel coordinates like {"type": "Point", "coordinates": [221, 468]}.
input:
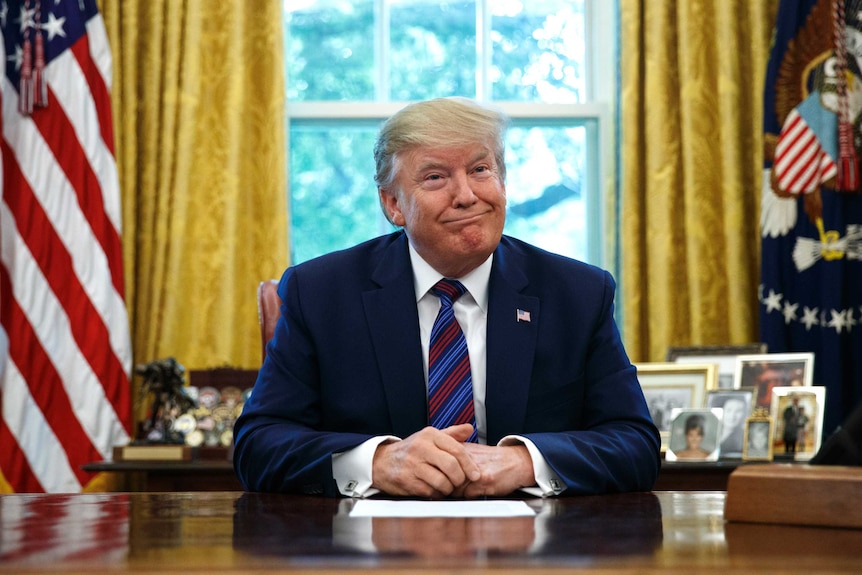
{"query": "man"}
{"type": "Point", "coordinates": [341, 404]}
{"type": "Point", "coordinates": [733, 426]}
{"type": "Point", "coordinates": [791, 425]}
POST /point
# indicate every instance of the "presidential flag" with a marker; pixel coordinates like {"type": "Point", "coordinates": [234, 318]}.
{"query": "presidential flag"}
{"type": "Point", "coordinates": [811, 218]}
{"type": "Point", "coordinates": [64, 389]}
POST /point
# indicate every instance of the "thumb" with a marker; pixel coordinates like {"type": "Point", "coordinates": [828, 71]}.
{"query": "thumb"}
{"type": "Point", "coordinates": [460, 432]}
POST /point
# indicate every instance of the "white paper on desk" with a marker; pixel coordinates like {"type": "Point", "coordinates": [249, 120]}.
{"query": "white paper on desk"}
{"type": "Point", "coordinates": [410, 508]}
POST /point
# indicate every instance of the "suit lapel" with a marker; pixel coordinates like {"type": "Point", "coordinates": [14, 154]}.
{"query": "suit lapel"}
{"type": "Point", "coordinates": [393, 322]}
{"type": "Point", "coordinates": [511, 346]}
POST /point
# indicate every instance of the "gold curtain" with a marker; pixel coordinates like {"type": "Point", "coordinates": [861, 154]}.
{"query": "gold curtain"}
{"type": "Point", "coordinates": [199, 118]}
{"type": "Point", "coordinates": [692, 76]}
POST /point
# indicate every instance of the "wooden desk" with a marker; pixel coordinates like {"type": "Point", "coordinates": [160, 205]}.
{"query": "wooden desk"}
{"type": "Point", "coordinates": [152, 476]}
{"type": "Point", "coordinates": [218, 475]}
{"type": "Point", "coordinates": [232, 532]}
{"type": "Point", "coordinates": [695, 476]}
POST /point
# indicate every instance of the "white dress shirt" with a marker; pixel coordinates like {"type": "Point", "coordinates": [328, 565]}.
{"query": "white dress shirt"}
{"type": "Point", "coordinates": [352, 469]}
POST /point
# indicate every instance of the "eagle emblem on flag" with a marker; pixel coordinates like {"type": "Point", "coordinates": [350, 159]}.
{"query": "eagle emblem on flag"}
{"type": "Point", "coordinates": [811, 206]}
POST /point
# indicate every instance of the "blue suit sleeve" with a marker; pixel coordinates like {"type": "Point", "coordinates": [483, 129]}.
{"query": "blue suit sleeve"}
{"type": "Point", "coordinates": [616, 447]}
{"type": "Point", "coordinates": [278, 446]}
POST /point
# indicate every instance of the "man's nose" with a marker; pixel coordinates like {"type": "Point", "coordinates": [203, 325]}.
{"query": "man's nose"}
{"type": "Point", "coordinates": [462, 190]}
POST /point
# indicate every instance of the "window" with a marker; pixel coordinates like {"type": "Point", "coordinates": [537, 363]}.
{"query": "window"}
{"type": "Point", "coordinates": [547, 63]}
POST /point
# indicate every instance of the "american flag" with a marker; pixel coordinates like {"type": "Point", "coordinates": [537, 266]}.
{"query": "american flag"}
{"type": "Point", "coordinates": [811, 267]}
{"type": "Point", "coordinates": [804, 155]}
{"type": "Point", "coordinates": [64, 391]}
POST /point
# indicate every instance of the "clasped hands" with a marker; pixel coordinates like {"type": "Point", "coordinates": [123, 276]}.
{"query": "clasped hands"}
{"type": "Point", "coordinates": [436, 463]}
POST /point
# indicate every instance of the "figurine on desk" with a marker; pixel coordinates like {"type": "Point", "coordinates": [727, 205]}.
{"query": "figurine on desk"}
{"type": "Point", "coordinates": [165, 380]}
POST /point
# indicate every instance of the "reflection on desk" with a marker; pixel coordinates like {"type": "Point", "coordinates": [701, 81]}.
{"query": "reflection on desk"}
{"type": "Point", "coordinates": [237, 533]}
{"type": "Point", "coordinates": [630, 526]}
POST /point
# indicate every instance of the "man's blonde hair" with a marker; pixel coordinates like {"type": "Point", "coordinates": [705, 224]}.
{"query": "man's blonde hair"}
{"type": "Point", "coordinates": [438, 123]}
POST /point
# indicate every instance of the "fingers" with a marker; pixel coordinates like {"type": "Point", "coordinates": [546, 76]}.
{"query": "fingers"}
{"type": "Point", "coordinates": [461, 433]}
{"type": "Point", "coordinates": [429, 463]}
{"type": "Point", "coordinates": [505, 469]}
{"type": "Point", "coordinates": [438, 463]}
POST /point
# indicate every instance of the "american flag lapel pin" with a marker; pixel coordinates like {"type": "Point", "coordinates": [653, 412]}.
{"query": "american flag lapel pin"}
{"type": "Point", "coordinates": [523, 316]}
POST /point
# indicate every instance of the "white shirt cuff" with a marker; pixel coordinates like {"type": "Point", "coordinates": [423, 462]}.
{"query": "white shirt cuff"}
{"type": "Point", "coordinates": [351, 469]}
{"type": "Point", "coordinates": [548, 483]}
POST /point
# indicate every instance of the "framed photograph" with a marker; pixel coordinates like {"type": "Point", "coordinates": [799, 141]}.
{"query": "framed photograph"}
{"type": "Point", "coordinates": [798, 415]}
{"type": "Point", "coordinates": [737, 405]}
{"type": "Point", "coordinates": [667, 386]}
{"type": "Point", "coordinates": [768, 371]}
{"type": "Point", "coordinates": [724, 356]}
{"type": "Point", "coordinates": [758, 439]}
{"type": "Point", "coordinates": [694, 435]}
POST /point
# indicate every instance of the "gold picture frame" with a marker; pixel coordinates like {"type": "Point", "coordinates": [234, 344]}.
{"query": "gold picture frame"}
{"type": "Point", "coordinates": [758, 438]}
{"type": "Point", "coordinates": [668, 385]}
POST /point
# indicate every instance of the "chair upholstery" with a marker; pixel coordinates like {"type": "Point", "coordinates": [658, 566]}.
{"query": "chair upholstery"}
{"type": "Point", "coordinates": [268, 311]}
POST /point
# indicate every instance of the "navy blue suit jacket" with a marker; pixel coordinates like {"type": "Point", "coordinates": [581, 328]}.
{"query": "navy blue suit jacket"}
{"type": "Point", "coordinates": [345, 364]}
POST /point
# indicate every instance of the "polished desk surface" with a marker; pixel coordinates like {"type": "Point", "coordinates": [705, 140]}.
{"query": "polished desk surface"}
{"type": "Point", "coordinates": [254, 533]}
{"type": "Point", "coordinates": [210, 474]}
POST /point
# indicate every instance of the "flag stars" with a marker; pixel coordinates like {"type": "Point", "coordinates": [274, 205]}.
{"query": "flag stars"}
{"type": "Point", "coordinates": [839, 320]}
{"type": "Point", "coordinates": [851, 321]}
{"type": "Point", "coordinates": [790, 312]}
{"type": "Point", "coordinates": [773, 301]}
{"type": "Point", "coordinates": [17, 57]}
{"type": "Point", "coordinates": [809, 317]}
{"type": "Point", "coordinates": [54, 26]}
{"type": "Point", "coordinates": [26, 18]}
{"type": "Point", "coordinates": [4, 13]}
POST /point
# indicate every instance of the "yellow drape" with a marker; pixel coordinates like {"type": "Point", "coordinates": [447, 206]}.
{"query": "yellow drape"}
{"type": "Point", "coordinates": [691, 158]}
{"type": "Point", "coordinates": [199, 116]}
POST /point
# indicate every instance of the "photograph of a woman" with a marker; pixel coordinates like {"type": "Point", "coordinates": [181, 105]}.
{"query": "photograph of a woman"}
{"type": "Point", "coordinates": [694, 435]}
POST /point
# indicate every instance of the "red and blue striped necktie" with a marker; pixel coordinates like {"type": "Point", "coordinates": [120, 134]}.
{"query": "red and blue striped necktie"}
{"type": "Point", "coordinates": [450, 383]}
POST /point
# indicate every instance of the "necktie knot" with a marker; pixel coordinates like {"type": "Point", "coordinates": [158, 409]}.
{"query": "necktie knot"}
{"type": "Point", "coordinates": [448, 290]}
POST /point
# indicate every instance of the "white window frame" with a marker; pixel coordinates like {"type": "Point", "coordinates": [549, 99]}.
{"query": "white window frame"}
{"type": "Point", "coordinates": [601, 92]}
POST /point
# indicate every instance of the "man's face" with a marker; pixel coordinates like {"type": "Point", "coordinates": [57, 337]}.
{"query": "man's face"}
{"type": "Point", "coordinates": [734, 412]}
{"type": "Point", "coordinates": [758, 436]}
{"type": "Point", "coordinates": [452, 204]}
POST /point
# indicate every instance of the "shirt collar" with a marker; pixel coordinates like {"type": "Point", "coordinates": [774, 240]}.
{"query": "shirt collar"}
{"type": "Point", "coordinates": [476, 282]}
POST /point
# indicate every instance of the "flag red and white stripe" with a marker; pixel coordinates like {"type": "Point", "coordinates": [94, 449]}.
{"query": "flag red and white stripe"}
{"type": "Point", "coordinates": [65, 393]}
{"type": "Point", "coordinates": [801, 164]}
{"type": "Point", "coordinates": [90, 531]}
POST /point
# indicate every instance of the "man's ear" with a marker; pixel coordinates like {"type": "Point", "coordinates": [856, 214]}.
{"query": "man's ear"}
{"type": "Point", "coordinates": [389, 203]}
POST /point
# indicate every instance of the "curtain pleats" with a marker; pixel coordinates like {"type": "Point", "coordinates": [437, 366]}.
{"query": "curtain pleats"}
{"type": "Point", "coordinates": [691, 161]}
{"type": "Point", "coordinates": [200, 137]}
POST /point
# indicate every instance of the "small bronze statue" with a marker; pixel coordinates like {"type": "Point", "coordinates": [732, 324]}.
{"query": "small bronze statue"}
{"type": "Point", "coordinates": [165, 379]}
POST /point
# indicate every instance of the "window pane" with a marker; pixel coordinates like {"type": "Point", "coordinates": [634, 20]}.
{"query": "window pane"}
{"type": "Point", "coordinates": [433, 49]}
{"type": "Point", "coordinates": [546, 189]}
{"type": "Point", "coordinates": [330, 50]}
{"type": "Point", "coordinates": [334, 200]}
{"type": "Point", "coordinates": [333, 196]}
{"type": "Point", "coordinates": [408, 50]}
{"type": "Point", "coordinates": [538, 51]}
